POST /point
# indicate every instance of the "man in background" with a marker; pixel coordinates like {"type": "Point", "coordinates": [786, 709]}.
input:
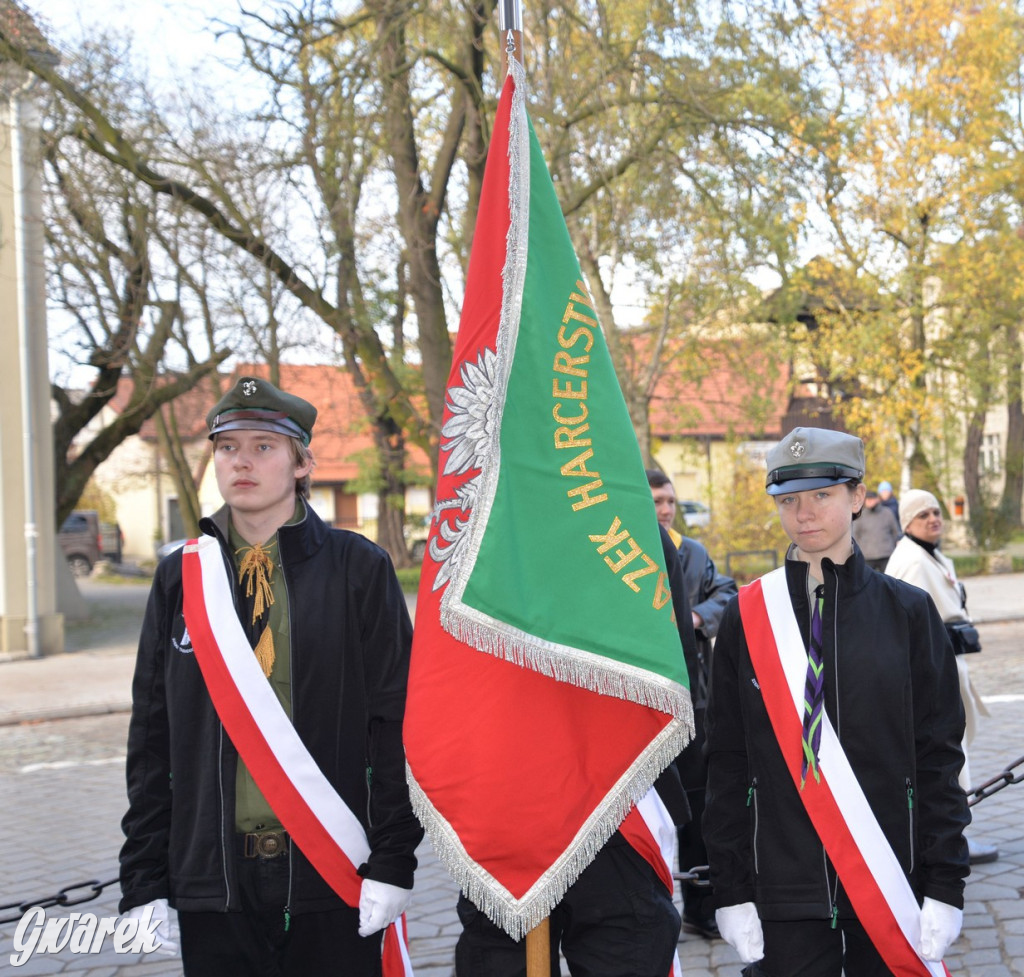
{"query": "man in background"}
{"type": "Point", "coordinates": [707, 592]}
{"type": "Point", "coordinates": [889, 500]}
{"type": "Point", "coordinates": [877, 532]}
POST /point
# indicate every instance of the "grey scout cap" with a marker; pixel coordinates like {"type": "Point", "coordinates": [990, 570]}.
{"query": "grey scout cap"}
{"type": "Point", "coordinates": [254, 404]}
{"type": "Point", "coordinates": [813, 457]}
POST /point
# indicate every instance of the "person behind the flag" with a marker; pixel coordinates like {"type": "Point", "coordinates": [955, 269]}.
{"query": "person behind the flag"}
{"type": "Point", "coordinates": [890, 694]}
{"type": "Point", "coordinates": [327, 621]}
{"type": "Point", "coordinates": [618, 917]}
{"type": "Point", "coordinates": [708, 593]}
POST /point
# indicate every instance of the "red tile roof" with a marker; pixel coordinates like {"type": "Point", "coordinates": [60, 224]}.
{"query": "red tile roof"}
{"type": "Point", "coordinates": [21, 28]}
{"type": "Point", "coordinates": [341, 436]}
{"type": "Point", "coordinates": [712, 389]}
{"type": "Point", "coordinates": [720, 389]}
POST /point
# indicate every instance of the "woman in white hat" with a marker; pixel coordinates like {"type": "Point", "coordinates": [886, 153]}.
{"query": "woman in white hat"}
{"type": "Point", "coordinates": [918, 560]}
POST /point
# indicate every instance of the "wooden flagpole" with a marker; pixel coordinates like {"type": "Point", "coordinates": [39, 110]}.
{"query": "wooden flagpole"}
{"type": "Point", "coordinates": [538, 949]}
{"type": "Point", "coordinates": [510, 23]}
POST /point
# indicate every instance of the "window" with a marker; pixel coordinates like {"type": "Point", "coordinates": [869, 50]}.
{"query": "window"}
{"type": "Point", "coordinates": [991, 455]}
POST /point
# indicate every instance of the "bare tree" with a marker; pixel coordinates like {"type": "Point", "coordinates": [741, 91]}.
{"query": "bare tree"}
{"type": "Point", "coordinates": [376, 118]}
{"type": "Point", "coordinates": [104, 274]}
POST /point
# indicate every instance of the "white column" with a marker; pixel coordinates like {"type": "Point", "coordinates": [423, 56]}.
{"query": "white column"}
{"type": "Point", "coordinates": [29, 621]}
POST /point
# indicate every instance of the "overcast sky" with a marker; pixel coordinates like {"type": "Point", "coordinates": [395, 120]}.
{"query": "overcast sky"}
{"type": "Point", "coordinates": [176, 33]}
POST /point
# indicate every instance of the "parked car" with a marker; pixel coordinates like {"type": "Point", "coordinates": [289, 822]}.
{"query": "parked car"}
{"type": "Point", "coordinates": [694, 513]}
{"type": "Point", "coordinates": [81, 540]}
{"type": "Point", "coordinates": [417, 529]}
{"type": "Point", "coordinates": [111, 541]}
{"type": "Point", "coordinates": [85, 540]}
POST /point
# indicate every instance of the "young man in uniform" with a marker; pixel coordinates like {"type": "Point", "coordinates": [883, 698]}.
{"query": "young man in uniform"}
{"type": "Point", "coordinates": [266, 774]}
{"type": "Point", "coordinates": [834, 820]}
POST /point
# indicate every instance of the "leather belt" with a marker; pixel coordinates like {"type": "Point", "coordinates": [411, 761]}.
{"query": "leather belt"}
{"type": "Point", "coordinates": [265, 844]}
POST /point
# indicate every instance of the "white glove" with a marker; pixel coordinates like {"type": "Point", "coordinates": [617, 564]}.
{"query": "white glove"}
{"type": "Point", "coordinates": [380, 904]}
{"type": "Point", "coordinates": [167, 932]}
{"type": "Point", "coordinates": [940, 926]}
{"type": "Point", "coordinates": [740, 927]}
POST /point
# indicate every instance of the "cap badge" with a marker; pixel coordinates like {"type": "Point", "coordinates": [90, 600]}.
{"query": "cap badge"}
{"type": "Point", "coordinates": [249, 388]}
{"type": "Point", "coordinates": [797, 449]}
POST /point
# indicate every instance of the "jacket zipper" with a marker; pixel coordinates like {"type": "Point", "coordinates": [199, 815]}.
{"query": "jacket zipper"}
{"type": "Point", "coordinates": [224, 846]}
{"type": "Point", "coordinates": [291, 700]}
{"type": "Point", "coordinates": [369, 789]}
{"type": "Point", "coordinates": [832, 889]}
{"type": "Point", "coordinates": [223, 838]}
{"type": "Point", "coordinates": [910, 822]}
{"type": "Point", "coordinates": [835, 654]}
{"type": "Point", "coordinates": [752, 802]}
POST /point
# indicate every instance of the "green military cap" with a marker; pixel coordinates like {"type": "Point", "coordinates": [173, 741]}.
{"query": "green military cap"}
{"type": "Point", "coordinates": [254, 404]}
{"type": "Point", "coordinates": [813, 457]}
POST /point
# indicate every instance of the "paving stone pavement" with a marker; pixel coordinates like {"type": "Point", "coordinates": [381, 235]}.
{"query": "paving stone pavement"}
{"type": "Point", "coordinates": [62, 796]}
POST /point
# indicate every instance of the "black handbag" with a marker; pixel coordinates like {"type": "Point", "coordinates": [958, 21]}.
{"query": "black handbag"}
{"type": "Point", "coordinates": [964, 637]}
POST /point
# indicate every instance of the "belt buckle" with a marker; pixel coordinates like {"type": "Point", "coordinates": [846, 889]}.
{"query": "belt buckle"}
{"type": "Point", "coordinates": [265, 844]}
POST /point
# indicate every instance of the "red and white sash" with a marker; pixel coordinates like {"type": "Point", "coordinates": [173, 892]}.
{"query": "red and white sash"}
{"type": "Point", "coordinates": [309, 808]}
{"type": "Point", "coordinates": [650, 830]}
{"type": "Point", "coordinates": [870, 872]}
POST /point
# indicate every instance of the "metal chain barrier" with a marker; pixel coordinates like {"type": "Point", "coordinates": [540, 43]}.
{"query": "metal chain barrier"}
{"type": "Point", "coordinates": [62, 898]}
{"type": "Point", "coordinates": [997, 783]}
{"type": "Point", "coordinates": [695, 876]}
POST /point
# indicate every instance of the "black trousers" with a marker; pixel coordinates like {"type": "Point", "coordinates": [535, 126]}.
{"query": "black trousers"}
{"type": "Point", "coordinates": [616, 920]}
{"type": "Point", "coordinates": [693, 853]}
{"type": "Point", "coordinates": [693, 771]}
{"type": "Point", "coordinates": [811, 948]}
{"type": "Point", "coordinates": [255, 942]}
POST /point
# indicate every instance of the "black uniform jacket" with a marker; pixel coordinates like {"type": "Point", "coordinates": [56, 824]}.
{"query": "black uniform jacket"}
{"type": "Point", "coordinates": [350, 642]}
{"type": "Point", "coordinates": [709, 593]}
{"type": "Point", "coordinates": [669, 785]}
{"type": "Point", "coordinates": [892, 695]}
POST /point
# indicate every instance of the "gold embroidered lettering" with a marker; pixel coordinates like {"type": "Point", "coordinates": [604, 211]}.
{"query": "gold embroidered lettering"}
{"type": "Point", "coordinates": [577, 468]}
{"type": "Point", "coordinates": [569, 437]}
{"type": "Point", "coordinates": [571, 313]}
{"type": "Point", "coordinates": [567, 391]}
{"type": "Point", "coordinates": [662, 594]}
{"type": "Point", "coordinates": [586, 500]}
{"type": "Point", "coordinates": [629, 579]}
{"type": "Point", "coordinates": [564, 363]}
{"type": "Point", "coordinates": [611, 538]}
{"type": "Point", "coordinates": [624, 558]}
{"type": "Point", "coordinates": [568, 341]}
{"type": "Point", "coordinates": [556, 413]}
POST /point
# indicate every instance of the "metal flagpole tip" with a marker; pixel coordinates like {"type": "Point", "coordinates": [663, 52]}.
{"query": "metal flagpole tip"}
{"type": "Point", "coordinates": [510, 23]}
{"type": "Point", "coordinates": [510, 15]}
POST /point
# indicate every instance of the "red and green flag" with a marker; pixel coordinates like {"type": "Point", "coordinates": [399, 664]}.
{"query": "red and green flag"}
{"type": "Point", "coordinates": [547, 688]}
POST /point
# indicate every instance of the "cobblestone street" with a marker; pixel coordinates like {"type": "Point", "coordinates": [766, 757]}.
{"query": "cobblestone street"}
{"type": "Point", "coordinates": [62, 796]}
